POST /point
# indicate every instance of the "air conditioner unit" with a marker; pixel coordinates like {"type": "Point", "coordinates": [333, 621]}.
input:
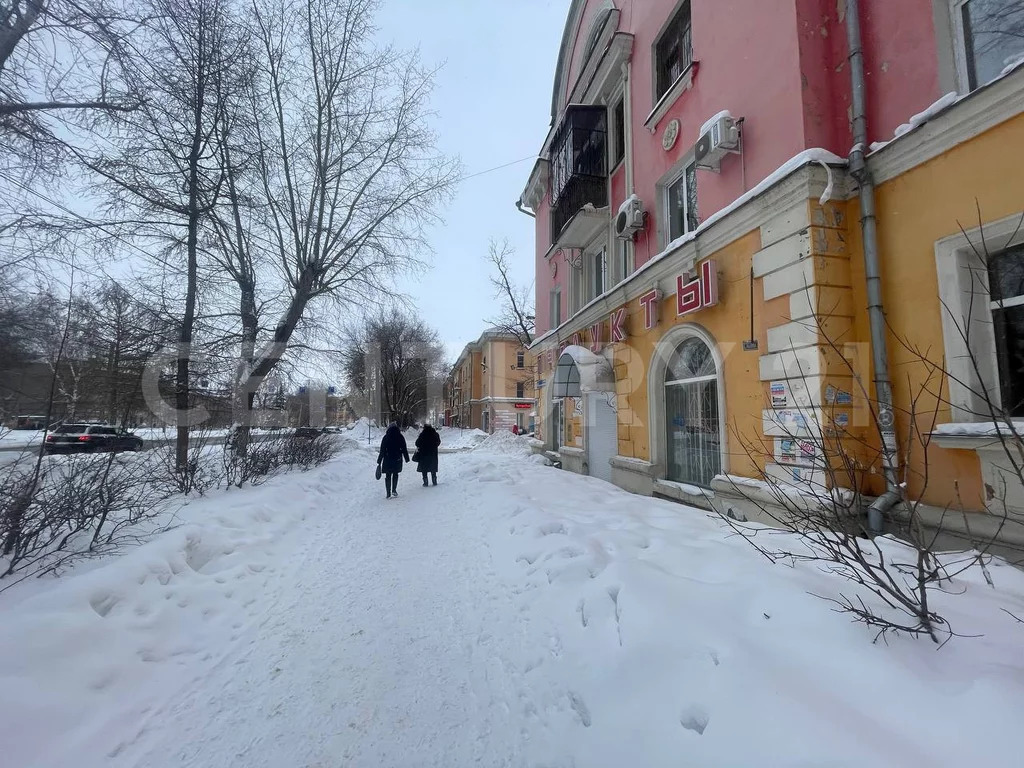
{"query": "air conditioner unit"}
{"type": "Point", "coordinates": [630, 219]}
{"type": "Point", "coordinates": [721, 138]}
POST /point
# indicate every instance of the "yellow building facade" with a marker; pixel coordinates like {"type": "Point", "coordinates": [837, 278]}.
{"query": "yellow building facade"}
{"type": "Point", "coordinates": [740, 358]}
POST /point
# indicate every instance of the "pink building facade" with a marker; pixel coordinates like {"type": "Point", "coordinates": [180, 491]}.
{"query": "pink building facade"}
{"type": "Point", "coordinates": [661, 68]}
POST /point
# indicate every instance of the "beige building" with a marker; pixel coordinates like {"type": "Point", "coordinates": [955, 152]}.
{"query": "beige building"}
{"type": "Point", "coordinates": [491, 386]}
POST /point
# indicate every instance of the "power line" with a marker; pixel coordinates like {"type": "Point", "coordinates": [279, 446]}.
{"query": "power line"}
{"type": "Point", "coordinates": [499, 167]}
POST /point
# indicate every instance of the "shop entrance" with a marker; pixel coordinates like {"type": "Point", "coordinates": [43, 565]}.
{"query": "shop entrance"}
{"type": "Point", "coordinates": [581, 374]}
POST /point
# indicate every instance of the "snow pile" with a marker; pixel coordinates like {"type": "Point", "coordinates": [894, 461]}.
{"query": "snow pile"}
{"type": "Point", "coordinates": [979, 429]}
{"type": "Point", "coordinates": [453, 438]}
{"type": "Point", "coordinates": [123, 634]}
{"type": "Point", "coordinates": [1012, 63]}
{"type": "Point", "coordinates": [924, 116]}
{"type": "Point", "coordinates": [668, 637]}
{"type": "Point", "coordinates": [507, 444]}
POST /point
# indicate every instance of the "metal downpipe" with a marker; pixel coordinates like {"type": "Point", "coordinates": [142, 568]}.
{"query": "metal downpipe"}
{"type": "Point", "coordinates": [872, 271]}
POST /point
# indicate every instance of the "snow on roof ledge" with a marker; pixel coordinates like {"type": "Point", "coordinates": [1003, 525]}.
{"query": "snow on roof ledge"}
{"type": "Point", "coordinates": [712, 120]}
{"type": "Point", "coordinates": [980, 429]}
{"type": "Point", "coordinates": [808, 156]}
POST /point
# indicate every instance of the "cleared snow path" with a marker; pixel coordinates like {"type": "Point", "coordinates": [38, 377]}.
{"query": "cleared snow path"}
{"type": "Point", "coordinates": [389, 640]}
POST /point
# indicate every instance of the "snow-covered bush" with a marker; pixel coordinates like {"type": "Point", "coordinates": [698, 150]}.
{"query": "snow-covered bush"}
{"type": "Point", "coordinates": [306, 453]}
{"type": "Point", "coordinates": [75, 505]}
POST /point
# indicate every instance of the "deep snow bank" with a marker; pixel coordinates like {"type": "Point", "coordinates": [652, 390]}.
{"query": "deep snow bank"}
{"type": "Point", "coordinates": [505, 443]}
{"type": "Point", "coordinates": [674, 643]}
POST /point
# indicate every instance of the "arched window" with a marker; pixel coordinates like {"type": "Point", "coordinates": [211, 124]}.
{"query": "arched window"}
{"type": "Point", "coordinates": [692, 428]}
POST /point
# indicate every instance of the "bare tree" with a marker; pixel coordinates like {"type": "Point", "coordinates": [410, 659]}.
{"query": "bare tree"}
{"type": "Point", "coordinates": [60, 60]}
{"type": "Point", "coordinates": [167, 168]}
{"type": "Point", "coordinates": [347, 174]}
{"type": "Point", "coordinates": [516, 316]}
{"type": "Point", "coordinates": [398, 356]}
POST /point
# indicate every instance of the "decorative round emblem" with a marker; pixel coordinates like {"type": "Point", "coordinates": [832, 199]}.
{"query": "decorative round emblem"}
{"type": "Point", "coordinates": [671, 135]}
{"type": "Point", "coordinates": [553, 263]}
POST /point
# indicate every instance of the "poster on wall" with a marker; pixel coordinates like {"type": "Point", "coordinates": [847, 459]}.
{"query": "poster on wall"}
{"type": "Point", "coordinates": [780, 394]}
{"type": "Point", "coordinates": [793, 451]}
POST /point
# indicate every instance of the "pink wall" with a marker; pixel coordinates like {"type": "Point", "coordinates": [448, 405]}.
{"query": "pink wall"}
{"type": "Point", "coordinates": [544, 282]}
{"type": "Point", "coordinates": [901, 61]}
{"type": "Point", "coordinates": [749, 68]}
{"type": "Point", "coordinates": [781, 65]}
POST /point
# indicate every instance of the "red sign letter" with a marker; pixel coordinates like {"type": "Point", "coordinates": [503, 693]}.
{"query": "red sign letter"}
{"type": "Point", "coordinates": [618, 325]}
{"type": "Point", "coordinates": [697, 294]}
{"type": "Point", "coordinates": [650, 304]}
{"type": "Point", "coordinates": [596, 336]}
{"type": "Point", "coordinates": [708, 284]}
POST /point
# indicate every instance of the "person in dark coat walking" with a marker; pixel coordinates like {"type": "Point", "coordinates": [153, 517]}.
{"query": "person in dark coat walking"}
{"type": "Point", "coordinates": [426, 449]}
{"type": "Point", "coordinates": [392, 450]}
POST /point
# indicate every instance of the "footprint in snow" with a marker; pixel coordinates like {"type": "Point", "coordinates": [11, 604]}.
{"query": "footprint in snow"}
{"type": "Point", "coordinates": [580, 708]}
{"type": "Point", "coordinates": [103, 603]}
{"type": "Point", "coordinates": [694, 718]}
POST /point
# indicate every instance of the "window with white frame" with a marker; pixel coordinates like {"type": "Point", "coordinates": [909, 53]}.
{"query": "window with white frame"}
{"type": "Point", "coordinates": [991, 36]}
{"type": "Point", "coordinates": [679, 202]}
{"type": "Point", "coordinates": [981, 290]}
{"type": "Point", "coordinates": [673, 53]}
{"type": "Point", "coordinates": [623, 260]}
{"type": "Point", "coordinates": [556, 307]}
{"type": "Point", "coordinates": [520, 359]}
{"type": "Point", "coordinates": [520, 389]}
{"type": "Point", "coordinates": [618, 142]}
{"type": "Point", "coordinates": [597, 278]}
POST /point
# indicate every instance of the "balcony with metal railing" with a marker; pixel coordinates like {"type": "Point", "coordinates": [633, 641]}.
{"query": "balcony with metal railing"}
{"type": "Point", "coordinates": [579, 176]}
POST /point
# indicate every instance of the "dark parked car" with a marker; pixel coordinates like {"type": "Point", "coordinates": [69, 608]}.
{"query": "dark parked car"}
{"type": "Point", "coordinates": [83, 438]}
{"type": "Point", "coordinates": [308, 432]}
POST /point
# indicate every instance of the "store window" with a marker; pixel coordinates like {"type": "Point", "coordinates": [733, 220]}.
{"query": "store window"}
{"type": "Point", "coordinates": [558, 433]}
{"type": "Point", "coordinates": [1006, 294]}
{"type": "Point", "coordinates": [693, 428]}
{"type": "Point", "coordinates": [991, 36]}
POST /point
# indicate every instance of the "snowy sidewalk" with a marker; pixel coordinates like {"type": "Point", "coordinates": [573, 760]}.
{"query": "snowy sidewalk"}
{"type": "Point", "coordinates": [515, 615]}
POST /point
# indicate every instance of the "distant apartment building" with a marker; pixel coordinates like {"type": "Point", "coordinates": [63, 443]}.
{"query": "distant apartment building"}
{"type": "Point", "coordinates": [491, 386]}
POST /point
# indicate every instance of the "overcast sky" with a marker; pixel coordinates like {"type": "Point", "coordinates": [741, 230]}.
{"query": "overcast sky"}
{"type": "Point", "coordinates": [493, 100]}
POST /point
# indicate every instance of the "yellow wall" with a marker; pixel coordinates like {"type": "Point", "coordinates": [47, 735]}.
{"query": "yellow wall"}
{"type": "Point", "coordinates": [924, 205]}
{"type": "Point", "coordinates": [729, 323]}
